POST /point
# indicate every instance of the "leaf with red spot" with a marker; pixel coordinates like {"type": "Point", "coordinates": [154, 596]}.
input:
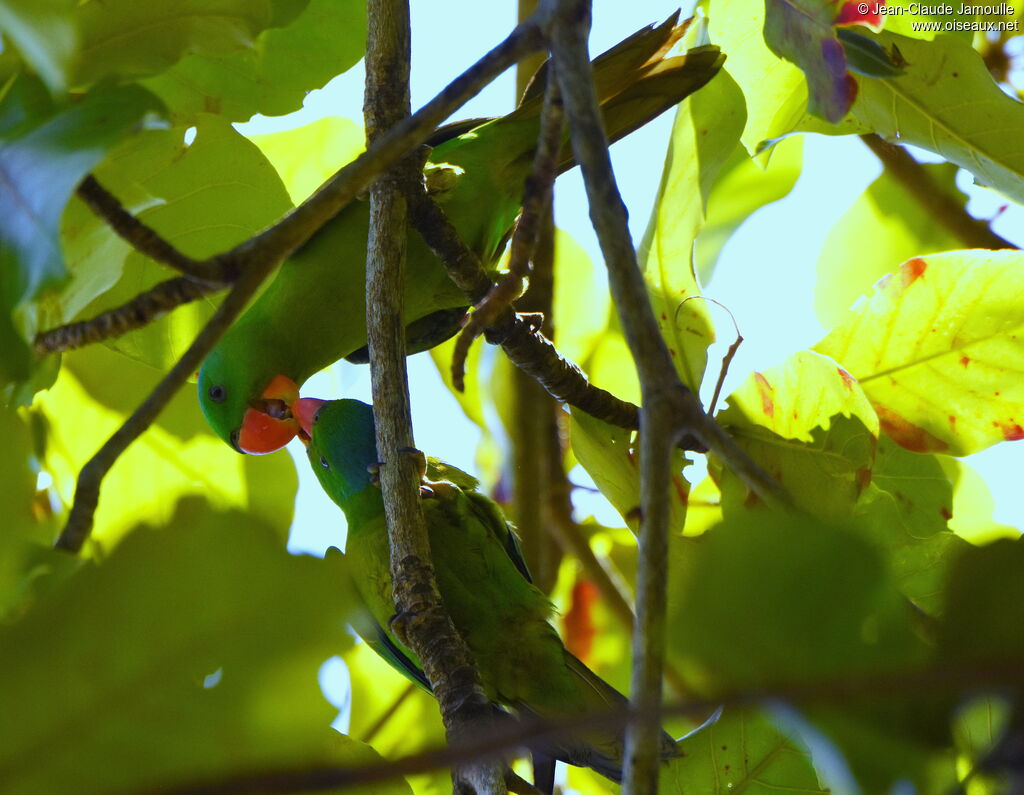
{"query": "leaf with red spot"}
{"type": "Point", "coordinates": [939, 350]}
{"type": "Point", "coordinates": [808, 423]}
{"type": "Point", "coordinates": [856, 12]}
{"type": "Point", "coordinates": [801, 31]}
{"type": "Point", "coordinates": [606, 452]}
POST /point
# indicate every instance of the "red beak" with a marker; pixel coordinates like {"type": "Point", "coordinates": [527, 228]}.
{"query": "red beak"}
{"type": "Point", "coordinates": [304, 410]}
{"type": "Point", "coordinates": [264, 432]}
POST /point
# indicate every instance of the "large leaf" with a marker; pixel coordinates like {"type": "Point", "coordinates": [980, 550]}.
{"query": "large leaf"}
{"type": "Point", "coordinates": [40, 166]}
{"type": "Point", "coordinates": [274, 75]}
{"type": "Point", "coordinates": [801, 32]}
{"type": "Point", "coordinates": [307, 156]}
{"type": "Point", "coordinates": [744, 185]}
{"type": "Point", "coordinates": [177, 457]}
{"type": "Point", "coordinates": [103, 682]}
{"type": "Point", "coordinates": [938, 350]}
{"type": "Point", "coordinates": [775, 90]}
{"type": "Point", "coordinates": [884, 226]}
{"type": "Point", "coordinates": [605, 452]}
{"type": "Point", "coordinates": [781, 602]}
{"type": "Point", "coordinates": [947, 101]}
{"type": "Point", "coordinates": [808, 424]}
{"type": "Point", "coordinates": [706, 128]}
{"type": "Point", "coordinates": [740, 752]}
{"type": "Point", "coordinates": [125, 38]}
{"type": "Point", "coordinates": [204, 198]}
{"type": "Point", "coordinates": [919, 562]}
{"type": "Point", "coordinates": [44, 33]}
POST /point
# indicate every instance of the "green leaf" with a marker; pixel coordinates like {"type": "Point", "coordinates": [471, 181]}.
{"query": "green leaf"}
{"type": "Point", "coordinates": [177, 457]}
{"type": "Point", "coordinates": [937, 350]}
{"type": "Point", "coordinates": [121, 651]}
{"type": "Point", "coordinates": [40, 166]}
{"type": "Point", "coordinates": [707, 127]}
{"type": "Point", "coordinates": [274, 75]}
{"type": "Point", "coordinates": [770, 598]}
{"type": "Point", "coordinates": [886, 225]}
{"type": "Point", "coordinates": [902, 18]}
{"type": "Point", "coordinates": [307, 156]}
{"type": "Point", "coordinates": [611, 366]}
{"type": "Point", "coordinates": [801, 32]}
{"type": "Point", "coordinates": [919, 563]}
{"type": "Point", "coordinates": [918, 483]}
{"type": "Point", "coordinates": [808, 424]}
{"type": "Point", "coordinates": [984, 616]}
{"type": "Point", "coordinates": [866, 57]}
{"type": "Point", "coordinates": [743, 187]}
{"type": "Point", "coordinates": [128, 39]}
{"type": "Point", "coordinates": [157, 177]}
{"type": "Point", "coordinates": [605, 452]}
{"type": "Point", "coordinates": [581, 301]}
{"type": "Point", "coordinates": [44, 33]}
{"type": "Point", "coordinates": [947, 101]}
{"type": "Point", "coordinates": [740, 752]}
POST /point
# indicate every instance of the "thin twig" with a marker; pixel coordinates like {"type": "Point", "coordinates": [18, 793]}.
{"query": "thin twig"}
{"type": "Point", "coordinates": [536, 204]}
{"type": "Point", "coordinates": [140, 311]}
{"type": "Point", "coordinates": [140, 236]}
{"type": "Point", "coordinates": [939, 205]}
{"type": "Point", "coordinates": [969, 676]}
{"type": "Point", "coordinates": [388, 714]}
{"type": "Point", "coordinates": [424, 623]}
{"type": "Point", "coordinates": [525, 348]}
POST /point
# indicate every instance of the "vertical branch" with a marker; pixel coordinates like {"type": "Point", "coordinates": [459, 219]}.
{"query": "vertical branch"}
{"type": "Point", "coordinates": [658, 427]}
{"type": "Point", "coordinates": [534, 411]}
{"type": "Point", "coordinates": [423, 623]}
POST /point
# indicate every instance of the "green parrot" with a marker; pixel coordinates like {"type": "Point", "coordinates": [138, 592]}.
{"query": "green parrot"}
{"type": "Point", "coordinates": [482, 578]}
{"type": "Point", "coordinates": [314, 312]}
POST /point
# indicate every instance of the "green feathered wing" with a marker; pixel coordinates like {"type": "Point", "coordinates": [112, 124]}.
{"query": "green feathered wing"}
{"type": "Point", "coordinates": [483, 580]}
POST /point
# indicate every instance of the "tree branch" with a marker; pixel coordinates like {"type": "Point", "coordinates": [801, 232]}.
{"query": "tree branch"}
{"type": "Point", "coordinates": [946, 210]}
{"type": "Point", "coordinates": [422, 620]}
{"type": "Point", "coordinates": [924, 681]}
{"type": "Point", "coordinates": [140, 236]}
{"type": "Point", "coordinates": [527, 350]}
{"type": "Point", "coordinates": [669, 409]}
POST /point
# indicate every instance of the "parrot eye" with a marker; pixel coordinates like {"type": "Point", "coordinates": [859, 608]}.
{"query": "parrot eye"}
{"type": "Point", "coordinates": [323, 463]}
{"type": "Point", "coordinates": [217, 393]}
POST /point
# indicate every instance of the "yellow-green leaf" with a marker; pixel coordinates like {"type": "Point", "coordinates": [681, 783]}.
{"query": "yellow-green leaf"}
{"type": "Point", "coordinates": [947, 101]}
{"type": "Point", "coordinates": [706, 128]}
{"type": "Point", "coordinates": [605, 452]}
{"type": "Point", "coordinates": [307, 156]}
{"type": "Point", "coordinates": [937, 348]}
{"type": "Point", "coordinates": [807, 423]}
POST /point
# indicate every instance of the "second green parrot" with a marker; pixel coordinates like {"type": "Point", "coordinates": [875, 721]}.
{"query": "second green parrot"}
{"type": "Point", "coordinates": [483, 581]}
{"type": "Point", "coordinates": [314, 311]}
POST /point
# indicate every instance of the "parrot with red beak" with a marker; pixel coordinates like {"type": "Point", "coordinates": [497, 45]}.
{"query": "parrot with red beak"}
{"type": "Point", "coordinates": [314, 312]}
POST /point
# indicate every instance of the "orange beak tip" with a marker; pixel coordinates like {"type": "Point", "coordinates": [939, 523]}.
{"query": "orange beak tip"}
{"type": "Point", "coordinates": [305, 410]}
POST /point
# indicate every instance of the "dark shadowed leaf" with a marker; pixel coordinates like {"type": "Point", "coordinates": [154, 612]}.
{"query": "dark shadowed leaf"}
{"type": "Point", "coordinates": [127, 648]}
{"type": "Point", "coordinates": [40, 165]}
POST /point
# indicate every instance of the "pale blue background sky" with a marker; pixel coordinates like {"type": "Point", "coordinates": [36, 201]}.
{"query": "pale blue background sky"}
{"type": "Point", "coordinates": [775, 314]}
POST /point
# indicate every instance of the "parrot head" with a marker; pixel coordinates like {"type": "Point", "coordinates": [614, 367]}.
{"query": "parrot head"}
{"type": "Point", "coordinates": [342, 446]}
{"type": "Point", "coordinates": [252, 414]}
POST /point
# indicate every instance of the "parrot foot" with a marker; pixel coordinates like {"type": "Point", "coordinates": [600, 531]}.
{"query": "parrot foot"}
{"type": "Point", "coordinates": [533, 320]}
{"type": "Point", "coordinates": [398, 623]}
{"type": "Point", "coordinates": [374, 471]}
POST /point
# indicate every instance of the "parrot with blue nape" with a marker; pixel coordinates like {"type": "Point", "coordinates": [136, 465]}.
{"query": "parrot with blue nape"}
{"type": "Point", "coordinates": [314, 311]}
{"type": "Point", "coordinates": [482, 579]}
